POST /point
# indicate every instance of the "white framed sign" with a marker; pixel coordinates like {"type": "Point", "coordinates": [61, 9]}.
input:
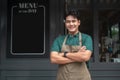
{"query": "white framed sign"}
{"type": "Point", "coordinates": [27, 21]}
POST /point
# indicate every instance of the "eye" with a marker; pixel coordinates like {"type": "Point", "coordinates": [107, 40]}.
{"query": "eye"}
{"type": "Point", "coordinates": [73, 21]}
{"type": "Point", "coordinates": [68, 21]}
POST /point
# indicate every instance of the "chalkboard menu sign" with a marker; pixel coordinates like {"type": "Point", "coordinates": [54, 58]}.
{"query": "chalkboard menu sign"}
{"type": "Point", "coordinates": [26, 27]}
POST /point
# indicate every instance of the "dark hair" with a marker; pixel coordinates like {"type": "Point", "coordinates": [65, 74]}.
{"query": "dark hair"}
{"type": "Point", "coordinates": [73, 13]}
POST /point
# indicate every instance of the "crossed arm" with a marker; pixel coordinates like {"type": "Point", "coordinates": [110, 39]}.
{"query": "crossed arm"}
{"type": "Point", "coordinates": [81, 56]}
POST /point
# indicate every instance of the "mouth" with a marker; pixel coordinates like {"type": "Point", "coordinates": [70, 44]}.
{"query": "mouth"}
{"type": "Point", "coordinates": [71, 27]}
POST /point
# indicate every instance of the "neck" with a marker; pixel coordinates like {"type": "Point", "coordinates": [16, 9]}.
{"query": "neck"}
{"type": "Point", "coordinates": [73, 33]}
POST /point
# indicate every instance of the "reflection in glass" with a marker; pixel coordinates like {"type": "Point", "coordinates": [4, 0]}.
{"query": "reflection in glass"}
{"type": "Point", "coordinates": [109, 36]}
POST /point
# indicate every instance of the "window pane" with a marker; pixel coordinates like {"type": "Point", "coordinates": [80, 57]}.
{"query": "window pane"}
{"type": "Point", "coordinates": [109, 35]}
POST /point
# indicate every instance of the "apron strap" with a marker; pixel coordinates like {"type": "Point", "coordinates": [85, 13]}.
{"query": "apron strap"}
{"type": "Point", "coordinates": [80, 39]}
{"type": "Point", "coordinates": [65, 40]}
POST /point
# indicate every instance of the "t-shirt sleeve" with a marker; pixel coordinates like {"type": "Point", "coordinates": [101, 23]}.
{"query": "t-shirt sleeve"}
{"type": "Point", "coordinates": [56, 46]}
{"type": "Point", "coordinates": [88, 43]}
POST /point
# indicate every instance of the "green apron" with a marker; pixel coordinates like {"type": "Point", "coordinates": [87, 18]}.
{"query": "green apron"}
{"type": "Point", "coordinates": [75, 70]}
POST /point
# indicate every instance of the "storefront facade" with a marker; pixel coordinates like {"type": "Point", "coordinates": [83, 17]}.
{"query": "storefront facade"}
{"type": "Point", "coordinates": [99, 18]}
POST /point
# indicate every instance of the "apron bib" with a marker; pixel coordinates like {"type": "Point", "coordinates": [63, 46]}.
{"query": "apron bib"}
{"type": "Point", "coordinates": [75, 70]}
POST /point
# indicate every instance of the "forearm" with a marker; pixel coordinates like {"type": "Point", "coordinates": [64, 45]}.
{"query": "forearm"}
{"type": "Point", "coordinates": [57, 58]}
{"type": "Point", "coordinates": [80, 56]}
{"type": "Point", "coordinates": [61, 60]}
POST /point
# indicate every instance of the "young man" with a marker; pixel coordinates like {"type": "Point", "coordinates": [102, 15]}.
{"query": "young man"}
{"type": "Point", "coordinates": [71, 51]}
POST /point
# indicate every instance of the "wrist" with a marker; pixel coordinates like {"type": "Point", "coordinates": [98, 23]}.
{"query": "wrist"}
{"type": "Point", "coordinates": [65, 54]}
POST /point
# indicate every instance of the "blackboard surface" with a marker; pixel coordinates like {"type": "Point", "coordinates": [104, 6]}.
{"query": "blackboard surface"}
{"type": "Point", "coordinates": [27, 21]}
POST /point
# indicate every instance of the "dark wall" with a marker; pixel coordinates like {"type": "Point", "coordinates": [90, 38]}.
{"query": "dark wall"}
{"type": "Point", "coordinates": [25, 67]}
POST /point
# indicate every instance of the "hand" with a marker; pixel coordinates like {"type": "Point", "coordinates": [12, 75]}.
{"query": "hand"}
{"type": "Point", "coordinates": [61, 54]}
{"type": "Point", "coordinates": [82, 49]}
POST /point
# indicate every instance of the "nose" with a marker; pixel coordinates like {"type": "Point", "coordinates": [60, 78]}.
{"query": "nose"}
{"type": "Point", "coordinates": [71, 23]}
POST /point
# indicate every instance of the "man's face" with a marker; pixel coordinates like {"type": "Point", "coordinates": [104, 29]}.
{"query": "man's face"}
{"type": "Point", "coordinates": [72, 24]}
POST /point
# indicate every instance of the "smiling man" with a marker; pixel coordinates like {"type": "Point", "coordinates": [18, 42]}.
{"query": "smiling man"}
{"type": "Point", "coordinates": [72, 51]}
